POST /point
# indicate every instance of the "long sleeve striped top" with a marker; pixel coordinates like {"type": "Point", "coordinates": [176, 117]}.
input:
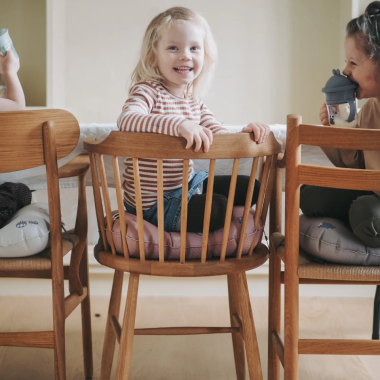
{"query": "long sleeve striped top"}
{"type": "Point", "coordinates": [151, 108]}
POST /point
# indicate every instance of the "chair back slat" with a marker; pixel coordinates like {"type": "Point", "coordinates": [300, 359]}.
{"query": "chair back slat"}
{"type": "Point", "coordinates": [169, 147]}
{"type": "Point", "coordinates": [247, 206]}
{"type": "Point", "coordinates": [21, 137]}
{"type": "Point", "coordinates": [230, 205]}
{"type": "Point", "coordinates": [185, 188]}
{"type": "Point", "coordinates": [207, 216]}
{"type": "Point", "coordinates": [160, 210]}
{"type": "Point", "coordinates": [98, 200]}
{"type": "Point", "coordinates": [139, 210]}
{"type": "Point", "coordinates": [339, 178]}
{"type": "Point", "coordinates": [269, 188]}
{"type": "Point", "coordinates": [120, 205]}
{"type": "Point", "coordinates": [107, 201]}
{"type": "Point", "coordinates": [343, 138]}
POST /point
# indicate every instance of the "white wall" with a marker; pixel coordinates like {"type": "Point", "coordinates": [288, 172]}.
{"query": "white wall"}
{"type": "Point", "coordinates": [275, 55]}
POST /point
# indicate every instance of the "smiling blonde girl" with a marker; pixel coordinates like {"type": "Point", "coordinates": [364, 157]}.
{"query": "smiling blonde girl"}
{"type": "Point", "coordinates": [177, 61]}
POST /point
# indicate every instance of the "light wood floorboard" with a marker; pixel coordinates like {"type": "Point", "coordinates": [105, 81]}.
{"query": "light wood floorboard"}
{"type": "Point", "coordinates": [190, 357]}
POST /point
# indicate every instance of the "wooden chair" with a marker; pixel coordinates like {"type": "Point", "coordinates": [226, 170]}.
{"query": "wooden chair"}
{"type": "Point", "coordinates": [155, 146]}
{"type": "Point", "coordinates": [29, 139]}
{"type": "Point", "coordinates": [298, 268]}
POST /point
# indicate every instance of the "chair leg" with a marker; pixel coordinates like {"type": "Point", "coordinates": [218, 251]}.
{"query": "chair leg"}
{"type": "Point", "coordinates": [274, 314]}
{"type": "Point", "coordinates": [376, 312]}
{"type": "Point", "coordinates": [237, 338]}
{"type": "Point", "coordinates": [109, 336]}
{"type": "Point", "coordinates": [291, 330]}
{"type": "Point", "coordinates": [59, 330]}
{"type": "Point", "coordinates": [249, 332]}
{"type": "Point", "coordinates": [86, 318]}
{"type": "Point", "coordinates": [128, 329]}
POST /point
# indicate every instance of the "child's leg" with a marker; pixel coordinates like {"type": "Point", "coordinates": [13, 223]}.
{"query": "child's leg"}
{"type": "Point", "coordinates": [196, 207]}
{"type": "Point", "coordinates": [222, 186]}
{"type": "Point", "coordinates": [328, 202]}
{"type": "Point", "coordinates": [196, 210]}
{"type": "Point", "coordinates": [364, 218]}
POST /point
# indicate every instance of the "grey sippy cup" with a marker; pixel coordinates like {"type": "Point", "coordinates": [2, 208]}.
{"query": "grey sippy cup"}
{"type": "Point", "coordinates": [341, 100]}
{"type": "Point", "coordinates": [6, 43]}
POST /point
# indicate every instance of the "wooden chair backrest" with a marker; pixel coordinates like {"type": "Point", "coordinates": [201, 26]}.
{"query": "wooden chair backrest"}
{"type": "Point", "coordinates": [340, 178]}
{"type": "Point", "coordinates": [159, 147]}
{"type": "Point", "coordinates": [33, 138]}
{"type": "Point", "coordinates": [21, 137]}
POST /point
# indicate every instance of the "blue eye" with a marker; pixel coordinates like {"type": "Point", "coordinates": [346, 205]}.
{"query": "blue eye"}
{"type": "Point", "coordinates": [194, 48]}
{"type": "Point", "coordinates": [172, 48]}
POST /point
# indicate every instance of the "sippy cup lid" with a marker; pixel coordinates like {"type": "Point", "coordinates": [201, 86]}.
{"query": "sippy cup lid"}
{"type": "Point", "coordinates": [339, 89]}
{"type": "Point", "coordinates": [5, 39]}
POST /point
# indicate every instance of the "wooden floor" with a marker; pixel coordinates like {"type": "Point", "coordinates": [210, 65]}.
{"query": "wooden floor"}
{"type": "Point", "coordinates": [195, 357]}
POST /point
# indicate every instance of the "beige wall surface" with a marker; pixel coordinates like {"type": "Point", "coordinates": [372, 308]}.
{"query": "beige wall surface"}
{"type": "Point", "coordinates": [274, 55]}
{"type": "Point", "coordinates": [26, 21]}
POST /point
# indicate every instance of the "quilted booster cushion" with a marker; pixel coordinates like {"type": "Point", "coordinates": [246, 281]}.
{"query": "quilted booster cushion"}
{"type": "Point", "coordinates": [26, 233]}
{"type": "Point", "coordinates": [333, 240]}
{"type": "Point", "coordinates": [172, 240]}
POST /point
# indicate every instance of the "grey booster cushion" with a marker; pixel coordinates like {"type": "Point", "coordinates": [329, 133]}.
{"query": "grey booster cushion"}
{"type": "Point", "coordinates": [333, 240]}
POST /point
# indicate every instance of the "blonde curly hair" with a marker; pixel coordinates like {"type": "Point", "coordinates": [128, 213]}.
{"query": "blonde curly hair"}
{"type": "Point", "coordinates": [146, 70]}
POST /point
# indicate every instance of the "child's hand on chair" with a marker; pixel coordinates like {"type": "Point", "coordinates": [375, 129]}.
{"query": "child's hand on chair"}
{"type": "Point", "coordinates": [260, 131]}
{"type": "Point", "coordinates": [194, 132]}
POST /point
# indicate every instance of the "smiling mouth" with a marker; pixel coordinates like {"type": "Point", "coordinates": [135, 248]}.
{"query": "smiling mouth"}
{"type": "Point", "coordinates": [183, 70]}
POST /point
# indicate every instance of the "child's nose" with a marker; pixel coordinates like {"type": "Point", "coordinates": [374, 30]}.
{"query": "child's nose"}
{"type": "Point", "coordinates": [185, 56]}
{"type": "Point", "coordinates": [346, 71]}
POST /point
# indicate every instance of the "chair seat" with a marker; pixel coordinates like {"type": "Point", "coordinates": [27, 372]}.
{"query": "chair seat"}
{"type": "Point", "coordinates": [191, 268]}
{"type": "Point", "coordinates": [307, 268]}
{"type": "Point", "coordinates": [41, 261]}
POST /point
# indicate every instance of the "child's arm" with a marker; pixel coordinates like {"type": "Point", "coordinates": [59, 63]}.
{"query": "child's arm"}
{"type": "Point", "coordinates": [136, 115]}
{"type": "Point", "coordinates": [324, 115]}
{"type": "Point", "coordinates": [9, 66]}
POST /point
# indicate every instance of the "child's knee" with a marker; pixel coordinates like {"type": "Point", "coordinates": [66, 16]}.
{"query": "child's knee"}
{"type": "Point", "coordinates": [364, 216]}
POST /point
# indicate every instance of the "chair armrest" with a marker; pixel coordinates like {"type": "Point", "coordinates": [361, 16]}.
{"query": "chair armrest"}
{"type": "Point", "coordinates": [79, 165]}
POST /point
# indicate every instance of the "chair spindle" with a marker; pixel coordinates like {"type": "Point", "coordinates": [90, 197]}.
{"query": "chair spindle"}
{"type": "Point", "coordinates": [247, 206]}
{"type": "Point", "coordinates": [185, 187]}
{"type": "Point", "coordinates": [139, 211]}
{"type": "Point", "coordinates": [268, 192]}
{"type": "Point", "coordinates": [120, 204]}
{"type": "Point", "coordinates": [98, 200]}
{"type": "Point", "coordinates": [230, 205]}
{"type": "Point", "coordinates": [263, 185]}
{"type": "Point", "coordinates": [207, 216]}
{"type": "Point", "coordinates": [107, 202]}
{"type": "Point", "coordinates": [160, 204]}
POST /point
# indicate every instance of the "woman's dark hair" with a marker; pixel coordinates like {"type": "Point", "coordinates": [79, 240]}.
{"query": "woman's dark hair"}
{"type": "Point", "coordinates": [366, 31]}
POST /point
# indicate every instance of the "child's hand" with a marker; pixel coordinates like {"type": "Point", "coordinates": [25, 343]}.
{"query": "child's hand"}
{"type": "Point", "coordinates": [260, 131]}
{"type": "Point", "coordinates": [194, 132]}
{"type": "Point", "coordinates": [324, 115]}
{"type": "Point", "coordinates": [9, 63]}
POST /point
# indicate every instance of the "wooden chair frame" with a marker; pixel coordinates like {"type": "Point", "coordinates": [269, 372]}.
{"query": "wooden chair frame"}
{"type": "Point", "coordinates": [29, 139]}
{"type": "Point", "coordinates": [287, 352]}
{"type": "Point", "coordinates": [134, 145]}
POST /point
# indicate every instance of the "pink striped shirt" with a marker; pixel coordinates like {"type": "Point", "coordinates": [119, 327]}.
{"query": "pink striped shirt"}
{"type": "Point", "coordinates": [151, 108]}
